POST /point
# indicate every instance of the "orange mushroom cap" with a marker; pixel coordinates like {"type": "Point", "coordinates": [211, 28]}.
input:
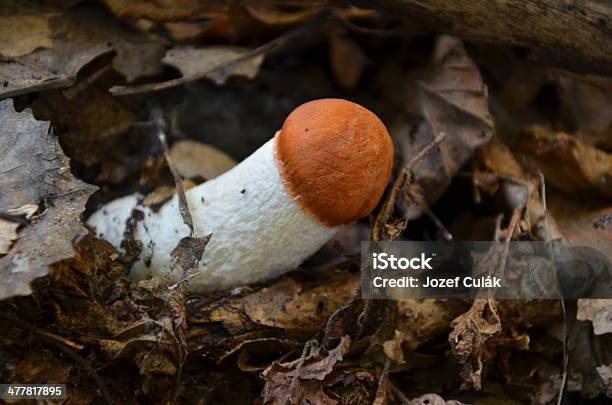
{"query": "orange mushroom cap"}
{"type": "Point", "coordinates": [335, 159]}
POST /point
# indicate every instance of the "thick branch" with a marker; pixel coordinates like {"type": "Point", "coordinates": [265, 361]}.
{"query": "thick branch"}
{"type": "Point", "coordinates": [575, 35]}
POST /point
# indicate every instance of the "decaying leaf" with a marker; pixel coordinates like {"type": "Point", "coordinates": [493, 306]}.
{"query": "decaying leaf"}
{"type": "Point", "coordinates": [304, 379]}
{"type": "Point", "coordinates": [579, 219]}
{"type": "Point", "coordinates": [22, 30]}
{"type": "Point", "coordinates": [567, 163]}
{"type": "Point", "coordinates": [512, 187]}
{"type": "Point", "coordinates": [588, 105]}
{"type": "Point", "coordinates": [423, 320]}
{"type": "Point", "coordinates": [212, 62]}
{"type": "Point", "coordinates": [452, 104]}
{"type": "Point", "coordinates": [293, 306]}
{"type": "Point", "coordinates": [393, 347]}
{"type": "Point", "coordinates": [453, 101]}
{"type": "Point", "coordinates": [35, 171]}
{"type": "Point", "coordinates": [347, 60]}
{"type": "Point", "coordinates": [599, 312]}
{"type": "Point", "coordinates": [79, 36]}
{"type": "Point", "coordinates": [471, 331]}
{"type": "Point", "coordinates": [156, 11]}
{"type": "Point", "coordinates": [194, 159]}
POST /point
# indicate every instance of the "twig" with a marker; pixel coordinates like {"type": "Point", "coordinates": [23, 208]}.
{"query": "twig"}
{"type": "Point", "coordinates": [178, 181]}
{"type": "Point", "coordinates": [387, 209]}
{"type": "Point", "coordinates": [561, 300]}
{"type": "Point", "coordinates": [398, 394]}
{"type": "Point", "coordinates": [260, 50]}
{"type": "Point", "coordinates": [306, 352]}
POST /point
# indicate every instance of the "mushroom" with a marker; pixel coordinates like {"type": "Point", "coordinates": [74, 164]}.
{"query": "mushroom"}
{"type": "Point", "coordinates": [328, 166]}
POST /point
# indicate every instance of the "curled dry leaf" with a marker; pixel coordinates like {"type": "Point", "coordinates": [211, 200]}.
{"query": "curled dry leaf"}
{"type": "Point", "coordinates": [422, 320]}
{"type": "Point", "coordinates": [599, 312]}
{"type": "Point", "coordinates": [34, 170]}
{"type": "Point", "coordinates": [567, 163]}
{"type": "Point", "coordinates": [469, 337]}
{"type": "Point", "coordinates": [303, 380]}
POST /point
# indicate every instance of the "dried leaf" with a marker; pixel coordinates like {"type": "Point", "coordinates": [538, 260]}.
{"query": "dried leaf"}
{"type": "Point", "coordinates": [23, 31]}
{"type": "Point", "coordinates": [599, 312]}
{"type": "Point", "coordinates": [298, 307]}
{"type": "Point", "coordinates": [303, 379]}
{"type": "Point", "coordinates": [214, 63]}
{"type": "Point", "coordinates": [187, 254]}
{"type": "Point", "coordinates": [8, 234]}
{"type": "Point", "coordinates": [471, 331]}
{"type": "Point", "coordinates": [581, 219]}
{"type": "Point", "coordinates": [567, 163]}
{"type": "Point", "coordinates": [156, 11]}
{"type": "Point", "coordinates": [35, 171]}
{"type": "Point", "coordinates": [423, 320]}
{"type": "Point", "coordinates": [195, 159]}
{"type": "Point", "coordinates": [454, 102]}
{"type": "Point", "coordinates": [393, 347]}
{"type": "Point", "coordinates": [79, 36]}
{"type": "Point", "coordinates": [588, 106]}
{"type": "Point", "coordinates": [275, 17]}
{"type": "Point", "coordinates": [347, 60]}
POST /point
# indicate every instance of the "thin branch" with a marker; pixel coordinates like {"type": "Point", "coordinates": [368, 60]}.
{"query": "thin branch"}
{"type": "Point", "coordinates": [387, 209]}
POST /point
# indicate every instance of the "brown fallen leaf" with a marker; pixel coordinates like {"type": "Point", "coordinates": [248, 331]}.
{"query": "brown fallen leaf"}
{"type": "Point", "coordinates": [195, 159]}
{"type": "Point", "coordinates": [498, 174]}
{"type": "Point", "coordinates": [453, 101]}
{"type": "Point", "coordinates": [586, 104]}
{"type": "Point", "coordinates": [195, 62]}
{"type": "Point", "coordinates": [80, 35]}
{"type": "Point", "coordinates": [134, 10]}
{"type": "Point", "coordinates": [567, 163]}
{"type": "Point", "coordinates": [303, 379]}
{"type": "Point", "coordinates": [579, 219]}
{"type": "Point", "coordinates": [469, 337]}
{"type": "Point", "coordinates": [423, 320]}
{"type": "Point", "coordinates": [23, 30]}
{"type": "Point", "coordinates": [393, 347]}
{"type": "Point", "coordinates": [452, 104]}
{"type": "Point", "coordinates": [347, 61]}
{"type": "Point", "coordinates": [34, 170]}
{"type": "Point", "coordinates": [296, 307]}
{"type": "Point", "coordinates": [276, 17]}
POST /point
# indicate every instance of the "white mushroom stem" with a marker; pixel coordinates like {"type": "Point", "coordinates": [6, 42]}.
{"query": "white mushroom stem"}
{"type": "Point", "coordinates": [328, 166]}
{"type": "Point", "coordinates": [258, 231]}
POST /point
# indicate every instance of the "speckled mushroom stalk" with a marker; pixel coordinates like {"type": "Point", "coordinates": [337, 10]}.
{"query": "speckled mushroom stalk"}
{"type": "Point", "coordinates": [328, 166]}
